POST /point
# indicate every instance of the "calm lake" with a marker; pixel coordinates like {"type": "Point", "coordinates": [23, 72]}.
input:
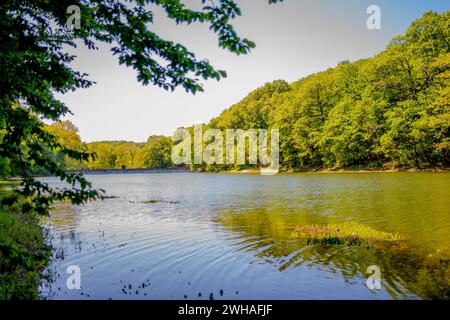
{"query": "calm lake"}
{"type": "Point", "coordinates": [230, 236]}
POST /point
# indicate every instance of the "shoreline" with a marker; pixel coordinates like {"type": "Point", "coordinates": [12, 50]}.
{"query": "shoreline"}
{"type": "Point", "coordinates": [337, 171]}
{"type": "Point", "coordinates": [129, 171]}
{"type": "Point", "coordinates": [252, 171]}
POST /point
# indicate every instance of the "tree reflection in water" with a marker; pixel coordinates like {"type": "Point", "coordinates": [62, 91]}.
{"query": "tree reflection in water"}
{"type": "Point", "coordinates": [406, 265]}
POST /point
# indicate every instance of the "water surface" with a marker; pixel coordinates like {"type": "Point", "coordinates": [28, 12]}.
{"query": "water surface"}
{"type": "Point", "coordinates": [225, 236]}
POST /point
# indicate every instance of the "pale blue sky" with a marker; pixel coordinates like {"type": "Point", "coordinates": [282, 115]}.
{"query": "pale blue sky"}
{"type": "Point", "coordinates": [293, 39]}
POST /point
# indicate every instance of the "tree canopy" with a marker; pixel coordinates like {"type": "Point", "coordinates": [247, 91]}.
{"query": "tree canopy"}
{"type": "Point", "coordinates": [35, 66]}
{"type": "Point", "coordinates": [392, 110]}
{"type": "Point", "coordinates": [388, 111]}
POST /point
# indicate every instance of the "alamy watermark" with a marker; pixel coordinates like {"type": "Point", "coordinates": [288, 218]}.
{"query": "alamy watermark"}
{"type": "Point", "coordinates": [238, 145]}
{"type": "Point", "coordinates": [74, 20]}
{"type": "Point", "coordinates": [374, 20]}
{"type": "Point", "coordinates": [374, 280]}
{"type": "Point", "coordinates": [73, 281]}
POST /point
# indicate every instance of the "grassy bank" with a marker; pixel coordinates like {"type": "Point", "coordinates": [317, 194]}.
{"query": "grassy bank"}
{"type": "Point", "coordinates": [23, 252]}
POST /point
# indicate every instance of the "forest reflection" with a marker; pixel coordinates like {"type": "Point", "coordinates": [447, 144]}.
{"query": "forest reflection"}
{"type": "Point", "coordinates": [406, 265]}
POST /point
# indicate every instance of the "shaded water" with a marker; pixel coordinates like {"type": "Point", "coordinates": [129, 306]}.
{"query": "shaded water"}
{"type": "Point", "coordinates": [230, 237]}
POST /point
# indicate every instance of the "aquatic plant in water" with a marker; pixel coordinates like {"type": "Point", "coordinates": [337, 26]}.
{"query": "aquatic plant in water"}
{"type": "Point", "coordinates": [347, 233]}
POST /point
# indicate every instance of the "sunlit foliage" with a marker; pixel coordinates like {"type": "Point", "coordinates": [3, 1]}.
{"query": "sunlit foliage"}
{"type": "Point", "coordinates": [35, 67]}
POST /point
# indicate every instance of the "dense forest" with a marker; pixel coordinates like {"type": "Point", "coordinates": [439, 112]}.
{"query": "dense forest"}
{"type": "Point", "coordinates": [155, 153]}
{"type": "Point", "coordinates": [391, 110]}
{"type": "Point", "coordinates": [388, 111]}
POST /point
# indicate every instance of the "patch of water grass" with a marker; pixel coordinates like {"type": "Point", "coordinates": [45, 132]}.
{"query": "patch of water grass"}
{"type": "Point", "coordinates": [152, 201]}
{"type": "Point", "coordinates": [347, 233]}
{"type": "Point", "coordinates": [155, 201]}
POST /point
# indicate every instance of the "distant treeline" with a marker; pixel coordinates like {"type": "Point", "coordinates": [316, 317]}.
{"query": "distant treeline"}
{"type": "Point", "coordinates": [392, 110]}
{"type": "Point", "coordinates": [155, 153]}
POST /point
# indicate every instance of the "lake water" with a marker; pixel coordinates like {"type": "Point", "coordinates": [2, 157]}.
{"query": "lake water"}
{"type": "Point", "coordinates": [230, 236]}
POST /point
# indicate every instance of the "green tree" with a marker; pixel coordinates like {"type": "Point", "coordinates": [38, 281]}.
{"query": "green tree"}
{"type": "Point", "coordinates": [34, 67]}
{"type": "Point", "coordinates": [105, 156]}
{"type": "Point", "coordinates": [128, 155]}
{"type": "Point", "coordinates": [157, 152]}
{"type": "Point", "coordinates": [67, 135]}
{"type": "Point", "coordinates": [391, 110]}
